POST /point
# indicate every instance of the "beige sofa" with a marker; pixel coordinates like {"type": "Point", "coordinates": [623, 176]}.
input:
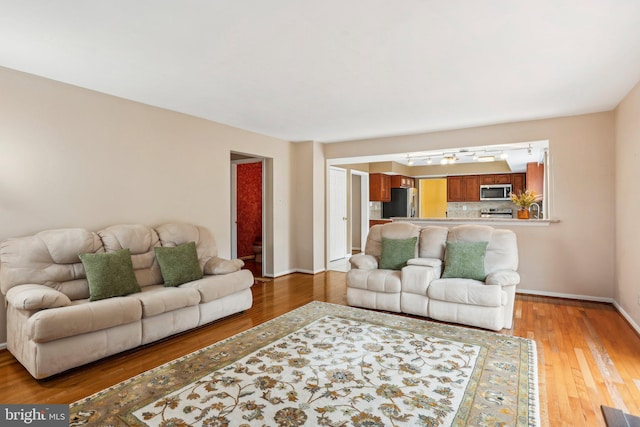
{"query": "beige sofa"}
{"type": "Point", "coordinates": [52, 325]}
{"type": "Point", "coordinates": [418, 288]}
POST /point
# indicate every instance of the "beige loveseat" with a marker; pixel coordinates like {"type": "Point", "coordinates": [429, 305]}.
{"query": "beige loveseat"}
{"type": "Point", "coordinates": [53, 326]}
{"type": "Point", "coordinates": [419, 288]}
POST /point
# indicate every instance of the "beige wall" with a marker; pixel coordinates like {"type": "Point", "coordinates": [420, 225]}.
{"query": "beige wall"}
{"type": "Point", "coordinates": [308, 212]}
{"type": "Point", "coordinates": [574, 257]}
{"type": "Point", "coordinates": [71, 157]}
{"type": "Point", "coordinates": [627, 288]}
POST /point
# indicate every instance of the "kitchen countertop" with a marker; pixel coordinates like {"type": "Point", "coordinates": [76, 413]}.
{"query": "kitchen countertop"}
{"type": "Point", "coordinates": [488, 221]}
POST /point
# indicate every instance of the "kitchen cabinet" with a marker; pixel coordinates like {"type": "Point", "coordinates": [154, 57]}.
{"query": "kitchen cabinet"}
{"type": "Point", "coordinates": [379, 187]}
{"type": "Point", "coordinates": [464, 188]}
{"type": "Point", "coordinates": [400, 181]}
{"type": "Point", "coordinates": [518, 183]}
{"type": "Point", "coordinates": [535, 177]}
{"type": "Point", "coordinates": [503, 178]}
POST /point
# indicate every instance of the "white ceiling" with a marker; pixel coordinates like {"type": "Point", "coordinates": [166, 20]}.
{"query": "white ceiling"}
{"type": "Point", "coordinates": [331, 70]}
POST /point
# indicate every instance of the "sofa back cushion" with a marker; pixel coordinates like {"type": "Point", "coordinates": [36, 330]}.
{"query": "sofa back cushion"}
{"type": "Point", "coordinates": [174, 234]}
{"type": "Point", "coordinates": [140, 240]}
{"type": "Point", "coordinates": [393, 231]}
{"type": "Point", "coordinates": [49, 258]}
{"type": "Point", "coordinates": [502, 249]}
{"type": "Point", "coordinates": [433, 241]}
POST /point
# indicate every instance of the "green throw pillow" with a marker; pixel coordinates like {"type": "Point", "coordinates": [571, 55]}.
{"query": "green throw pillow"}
{"type": "Point", "coordinates": [465, 260]}
{"type": "Point", "coordinates": [179, 264]}
{"type": "Point", "coordinates": [396, 253]}
{"type": "Point", "coordinates": [109, 274]}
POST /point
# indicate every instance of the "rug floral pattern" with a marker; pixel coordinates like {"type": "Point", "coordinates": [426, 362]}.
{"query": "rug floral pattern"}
{"type": "Point", "coordinates": [331, 365]}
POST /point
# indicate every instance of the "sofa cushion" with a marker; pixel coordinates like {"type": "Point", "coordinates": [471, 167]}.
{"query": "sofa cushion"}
{"type": "Point", "coordinates": [158, 299]}
{"type": "Point", "coordinates": [213, 287]}
{"type": "Point", "coordinates": [392, 230]}
{"type": "Point", "coordinates": [467, 291]}
{"type": "Point", "coordinates": [179, 264]}
{"type": "Point", "coordinates": [48, 258]}
{"type": "Point", "coordinates": [82, 317]}
{"type": "Point", "coordinates": [396, 252]}
{"type": "Point", "coordinates": [386, 281]}
{"type": "Point", "coordinates": [465, 260]}
{"type": "Point", "coordinates": [432, 241]}
{"type": "Point", "coordinates": [502, 251]}
{"type": "Point", "coordinates": [109, 274]}
{"type": "Point", "coordinates": [140, 240]}
{"type": "Point", "coordinates": [174, 234]}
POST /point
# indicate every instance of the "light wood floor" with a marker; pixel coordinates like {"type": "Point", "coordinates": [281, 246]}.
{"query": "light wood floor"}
{"type": "Point", "coordinates": [588, 355]}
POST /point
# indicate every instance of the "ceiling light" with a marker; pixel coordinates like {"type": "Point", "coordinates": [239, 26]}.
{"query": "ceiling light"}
{"type": "Point", "coordinates": [530, 150]}
{"type": "Point", "coordinates": [429, 161]}
{"type": "Point", "coordinates": [448, 159]}
{"type": "Point", "coordinates": [486, 159]}
{"type": "Point", "coordinates": [475, 156]}
{"type": "Point", "coordinates": [503, 155]}
{"type": "Point", "coordinates": [409, 161]}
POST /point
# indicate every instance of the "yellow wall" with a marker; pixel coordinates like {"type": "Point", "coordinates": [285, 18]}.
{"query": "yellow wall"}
{"type": "Point", "coordinates": [433, 198]}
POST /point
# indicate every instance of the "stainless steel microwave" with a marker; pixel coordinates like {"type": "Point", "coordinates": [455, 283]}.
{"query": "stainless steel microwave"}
{"type": "Point", "coordinates": [495, 192]}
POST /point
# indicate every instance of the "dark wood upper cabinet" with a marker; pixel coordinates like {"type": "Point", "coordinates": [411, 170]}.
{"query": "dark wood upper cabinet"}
{"type": "Point", "coordinates": [503, 178]}
{"type": "Point", "coordinates": [464, 188]}
{"type": "Point", "coordinates": [471, 185]}
{"type": "Point", "coordinates": [518, 183]}
{"type": "Point", "coordinates": [379, 187]}
{"type": "Point", "coordinates": [535, 177]}
{"type": "Point", "coordinates": [454, 189]}
{"type": "Point", "coordinates": [401, 181]}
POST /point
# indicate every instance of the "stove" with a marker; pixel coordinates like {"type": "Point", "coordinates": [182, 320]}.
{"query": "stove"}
{"type": "Point", "coordinates": [496, 213]}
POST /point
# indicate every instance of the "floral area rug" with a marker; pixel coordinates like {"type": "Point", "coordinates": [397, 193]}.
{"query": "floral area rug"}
{"type": "Point", "coordinates": [331, 365]}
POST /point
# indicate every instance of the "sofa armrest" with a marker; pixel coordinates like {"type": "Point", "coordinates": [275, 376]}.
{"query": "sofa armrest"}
{"type": "Point", "coordinates": [36, 297]}
{"type": "Point", "coordinates": [503, 278]}
{"type": "Point", "coordinates": [217, 265]}
{"type": "Point", "coordinates": [364, 262]}
{"type": "Point", "coordinates": [434, 263]}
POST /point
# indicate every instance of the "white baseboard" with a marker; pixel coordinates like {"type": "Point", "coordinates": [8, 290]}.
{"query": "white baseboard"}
{"type": "Point", "coordinates": [3, 345]}
{"type": "Point", "coordinates": [633, 324]}
{"type": "Point", "coordinates": [302, 270]}
{"type": "Point", "coordinates": [568, 296]}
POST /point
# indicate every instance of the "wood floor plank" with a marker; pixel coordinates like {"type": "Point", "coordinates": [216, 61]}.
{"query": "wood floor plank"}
{"type": "Point", "coordinates": [588, 355]}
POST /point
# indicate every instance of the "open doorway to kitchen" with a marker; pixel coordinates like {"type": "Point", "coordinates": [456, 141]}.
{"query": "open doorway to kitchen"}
{"type": "Point", "coordinates": [248, 229]}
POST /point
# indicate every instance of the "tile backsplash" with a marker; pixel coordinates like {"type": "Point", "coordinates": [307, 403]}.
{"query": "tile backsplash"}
{"type": "Point", "coordinates": [375, 210]}
{"type": "Point", "coordinates": [472, 209]}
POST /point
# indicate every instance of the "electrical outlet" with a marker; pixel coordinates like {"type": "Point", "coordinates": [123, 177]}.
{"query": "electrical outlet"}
{"type": "Point", "coordinates": [464, 208]}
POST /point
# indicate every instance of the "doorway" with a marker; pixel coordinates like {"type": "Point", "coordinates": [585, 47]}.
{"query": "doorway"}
{"type": "Point", "coordinates": [348, 215]}
{"type": "Point", "coordinates": [337, 213]}
{"type": "Point", "coordinates": [247, 212]}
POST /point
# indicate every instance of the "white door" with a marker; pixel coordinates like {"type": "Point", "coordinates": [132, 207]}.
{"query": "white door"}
{"type": "Point", "coordinates": [337, 213]}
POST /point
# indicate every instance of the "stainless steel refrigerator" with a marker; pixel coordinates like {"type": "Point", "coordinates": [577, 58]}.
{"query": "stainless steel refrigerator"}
{"type": "Point", "coordinates": [403, 203]}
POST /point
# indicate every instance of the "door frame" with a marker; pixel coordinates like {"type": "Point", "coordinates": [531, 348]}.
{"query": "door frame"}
{"type": "Point", "coordinates": [364, 207]}
{"type": "Point", "coordinates": [234, 207]}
